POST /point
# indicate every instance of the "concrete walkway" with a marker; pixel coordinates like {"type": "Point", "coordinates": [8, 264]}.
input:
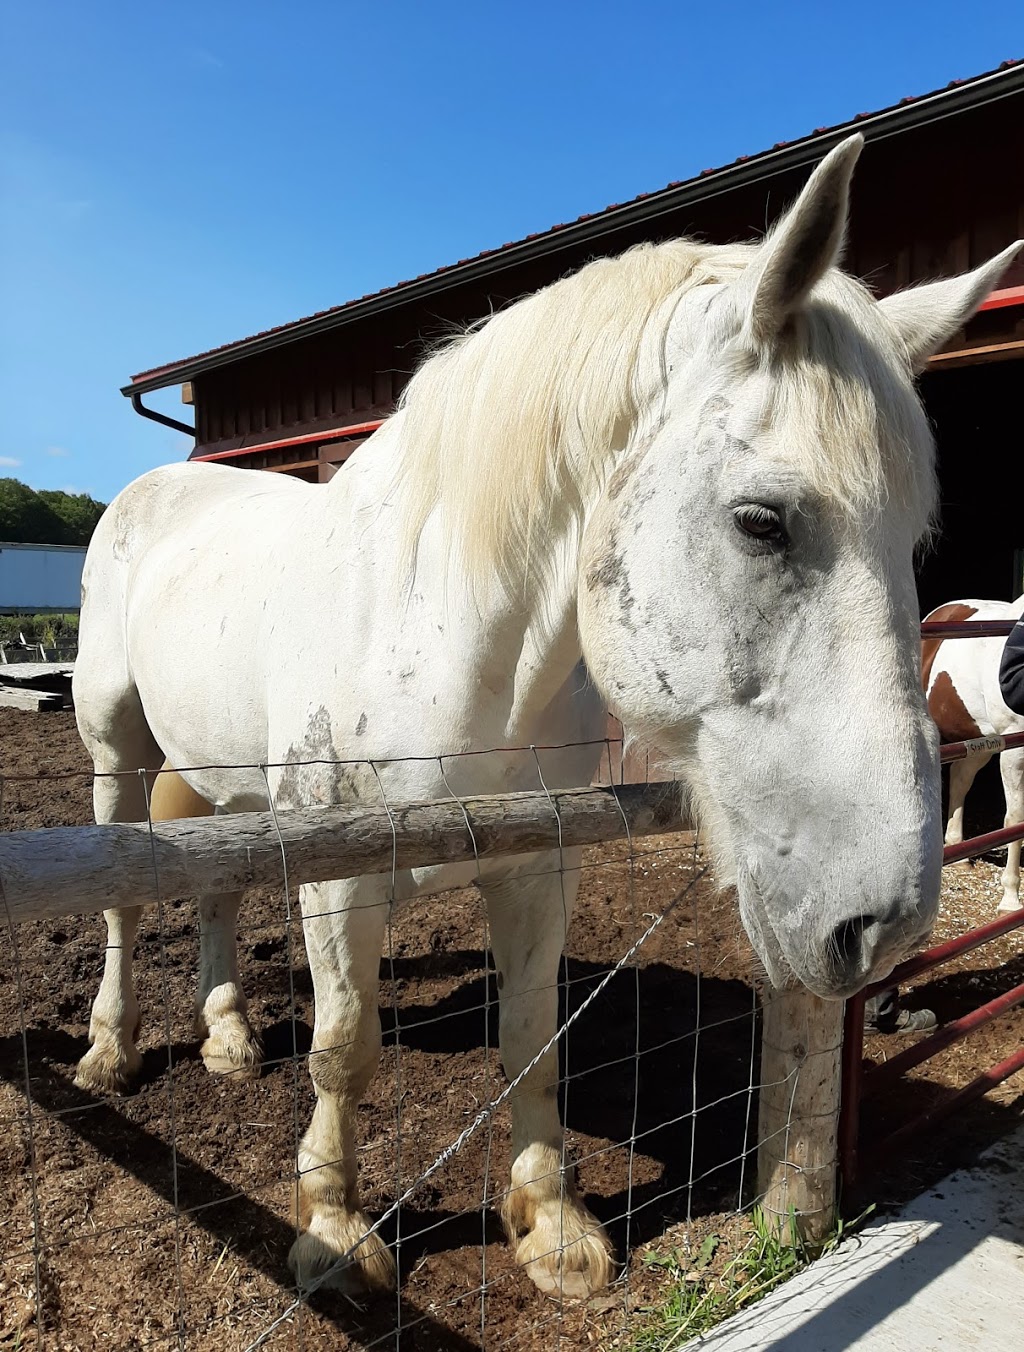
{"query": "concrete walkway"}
{"type": "Point", "coordinates": [945, 1275]}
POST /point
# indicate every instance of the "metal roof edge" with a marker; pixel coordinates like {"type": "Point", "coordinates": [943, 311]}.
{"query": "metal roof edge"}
{"type": "Point", "coordinates": [878, 126]}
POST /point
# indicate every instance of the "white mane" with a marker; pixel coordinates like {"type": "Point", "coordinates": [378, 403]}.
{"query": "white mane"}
{"type": "Point", "coordinates": [512, 428]}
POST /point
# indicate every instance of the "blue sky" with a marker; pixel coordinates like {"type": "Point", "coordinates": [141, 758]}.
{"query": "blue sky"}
{"type": "Point", "coordinates": [177, 175]}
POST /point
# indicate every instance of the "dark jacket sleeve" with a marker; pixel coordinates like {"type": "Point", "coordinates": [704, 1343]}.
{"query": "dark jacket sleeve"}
{"type": "Point", "coordinates": [1011, 669]}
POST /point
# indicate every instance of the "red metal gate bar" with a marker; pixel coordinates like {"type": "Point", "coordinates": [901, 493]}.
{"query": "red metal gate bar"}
{"type": "Point", "coordinates": [961, 750]}
{"type": "Point", "coordinates": [933, 957]}
{"type": "Point", "coordinates": [970, 849]}
{"type": "Point", "coordinates": [987, 1080]}
{"type": "Point", "coordinates": [877, 1077]}
{"type": "Point", "coordinates": [967, 628]}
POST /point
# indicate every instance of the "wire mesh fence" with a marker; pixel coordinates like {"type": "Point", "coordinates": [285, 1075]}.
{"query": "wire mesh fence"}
{"type": "Point", "coordinates": [165, 1218]}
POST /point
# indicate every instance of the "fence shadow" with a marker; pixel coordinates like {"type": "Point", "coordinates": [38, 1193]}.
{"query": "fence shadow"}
{"type": "Point", "coordinates": [687, 1103]}
{"type": "Point", "coordinates": [655, 1059]}
{"type": "Point", "coordinates": [253, 1232]}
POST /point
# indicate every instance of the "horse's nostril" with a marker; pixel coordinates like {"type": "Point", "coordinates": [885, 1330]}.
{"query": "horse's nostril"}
{"type": "Point", "coordinates": [847, 942]}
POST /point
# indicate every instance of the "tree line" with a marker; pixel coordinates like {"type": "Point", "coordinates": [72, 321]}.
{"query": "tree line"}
{"type": "Point", "coordinates": [47, 516]}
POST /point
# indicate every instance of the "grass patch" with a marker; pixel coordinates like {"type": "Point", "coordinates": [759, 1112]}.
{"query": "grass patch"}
{"type": "Point", "coordinates": [706, 1290]}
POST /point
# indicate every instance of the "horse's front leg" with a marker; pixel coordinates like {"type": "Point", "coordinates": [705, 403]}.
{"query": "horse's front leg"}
{"type": "Point", "coordinates": [113, 1061]}
{"type": "Point", "coordinates": [344, 925]}
{"type": "Point", "coordinates": [560, 1244]}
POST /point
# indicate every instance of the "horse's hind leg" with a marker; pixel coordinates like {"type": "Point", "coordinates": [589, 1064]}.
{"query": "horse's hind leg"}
{"type": "Point", "coordinates": [560, 1244]}
{"type": "Point", "coordinates": [229, 1044]}
{"type": "Point", "coordinates": [119, 795]}
{"type": "Point", "coordinates": [1011, 767]}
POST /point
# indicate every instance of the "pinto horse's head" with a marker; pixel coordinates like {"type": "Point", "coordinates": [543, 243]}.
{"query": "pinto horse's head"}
{"type": "Point", "coordinates": [747, 598]}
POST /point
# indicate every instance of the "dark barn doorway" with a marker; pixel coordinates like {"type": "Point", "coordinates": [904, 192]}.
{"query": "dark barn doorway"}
{"type": "Point", "coordinates": [978, 551]}
{"type": "Point", "coordinates": [975, 411]}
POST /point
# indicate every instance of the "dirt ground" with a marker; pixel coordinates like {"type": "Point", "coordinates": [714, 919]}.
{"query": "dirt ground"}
{"type": "Point", "coordinates": [164, 1218]}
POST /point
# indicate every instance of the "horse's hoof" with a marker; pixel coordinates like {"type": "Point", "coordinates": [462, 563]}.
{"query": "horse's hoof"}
{"type": "Point", "coordinates": [318, 1257]}
{"type": "Point", "coordinates": [1011, 904]}
{"type": "Point", "coordinates": [566, 1252]}
{"type": "Point", "coordinates": [105, 1071]}
{"type": "Point", "coordinates": [242, 1071]}
{"type": "Point", "coordinates": [241, 1058]}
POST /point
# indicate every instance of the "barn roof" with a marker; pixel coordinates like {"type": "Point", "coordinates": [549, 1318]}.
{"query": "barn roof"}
{"type": "Point", "coordinates": [910, 112]}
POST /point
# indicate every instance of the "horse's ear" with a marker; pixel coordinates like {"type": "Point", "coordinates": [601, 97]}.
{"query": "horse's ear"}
{"type": "Point", "coordinates": [925, 316]}
{"type": "Point", "coordinates": [805, 243]}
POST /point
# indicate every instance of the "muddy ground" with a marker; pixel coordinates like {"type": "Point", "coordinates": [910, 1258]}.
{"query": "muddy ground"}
{"type": "Point", "coordinates": [141, 1244]}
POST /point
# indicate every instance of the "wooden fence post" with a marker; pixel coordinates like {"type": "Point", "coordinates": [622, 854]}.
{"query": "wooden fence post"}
{"type": "Point", "coordinates": [801, 1053]}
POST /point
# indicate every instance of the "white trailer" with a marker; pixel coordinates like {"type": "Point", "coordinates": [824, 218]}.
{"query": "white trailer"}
{"type": "Point", "coordinates": [40, 579]}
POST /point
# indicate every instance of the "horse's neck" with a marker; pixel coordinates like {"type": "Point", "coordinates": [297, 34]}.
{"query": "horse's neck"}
{"type": "Point", "coordinates": [549, 652]}
{"type": "Point", "coordinates": [531, 630]}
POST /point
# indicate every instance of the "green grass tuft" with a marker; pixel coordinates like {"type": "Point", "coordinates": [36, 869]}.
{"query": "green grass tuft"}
{"type": "Point", "coordinates": [704, 1292]}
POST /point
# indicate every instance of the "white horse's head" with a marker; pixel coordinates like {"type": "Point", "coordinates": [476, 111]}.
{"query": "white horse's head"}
{"type": "Point", "coordinates": [746, 589]}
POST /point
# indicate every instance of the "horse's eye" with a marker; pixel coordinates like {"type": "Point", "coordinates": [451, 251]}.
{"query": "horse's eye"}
{"type": "Point", "coordinates": [760, 523]}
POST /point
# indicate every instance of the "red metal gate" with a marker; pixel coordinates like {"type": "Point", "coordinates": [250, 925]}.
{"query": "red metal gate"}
{"type": "Point", "coordinates": [860, 1084]}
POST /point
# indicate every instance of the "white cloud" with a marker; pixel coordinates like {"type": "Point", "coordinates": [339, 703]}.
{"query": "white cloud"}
{"type": "Point", "coordinates": [9, 462]}
{"type": "Point", "coordinates": [58, 452]}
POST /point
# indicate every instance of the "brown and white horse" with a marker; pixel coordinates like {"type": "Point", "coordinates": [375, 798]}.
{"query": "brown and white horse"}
{"type": "Point", "coordinates": [961, 681]}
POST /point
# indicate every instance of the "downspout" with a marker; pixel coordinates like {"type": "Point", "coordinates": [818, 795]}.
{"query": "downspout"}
{"type": "Point", "coordinates": [151, 413]}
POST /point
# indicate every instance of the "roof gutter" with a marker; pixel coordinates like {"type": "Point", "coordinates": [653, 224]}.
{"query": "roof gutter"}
{"type": "Point", "coordinates": [140, 407]}
{"type": "Point", "coordinates": [878, 126]}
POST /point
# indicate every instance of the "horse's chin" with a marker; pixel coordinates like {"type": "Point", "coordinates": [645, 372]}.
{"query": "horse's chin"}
{"type": "Point", "coordinates": [761, 933]}
{"type": "Point", "coordinates": [781, 971]}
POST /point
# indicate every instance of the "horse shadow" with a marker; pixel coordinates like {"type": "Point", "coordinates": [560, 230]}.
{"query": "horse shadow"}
{"type": "Point", "coordinates": [672, 1064]}
{"type": "Point", "coordinates": [650, 1013]}
{"type": "Point", "coordinates": [659, 1059]}
{"type": "Point", "coordinates": [253, 1232]}
{"type": "Point", "coordinates": [955, 994]}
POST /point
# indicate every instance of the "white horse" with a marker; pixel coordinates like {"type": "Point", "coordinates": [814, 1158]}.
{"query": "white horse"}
{"type": "Point", "coordinates": [961, 681]}
{"type": "Point", "coordinates": [700, 470]}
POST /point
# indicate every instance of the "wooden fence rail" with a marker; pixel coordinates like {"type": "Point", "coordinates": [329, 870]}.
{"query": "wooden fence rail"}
{"type": "Point", "coordinates": [76, 870]}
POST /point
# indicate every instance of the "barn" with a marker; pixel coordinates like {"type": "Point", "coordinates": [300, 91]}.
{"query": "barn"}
{"type": "Point", "coordinates": [938, 191]}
